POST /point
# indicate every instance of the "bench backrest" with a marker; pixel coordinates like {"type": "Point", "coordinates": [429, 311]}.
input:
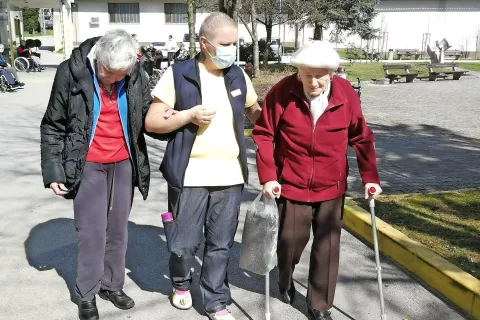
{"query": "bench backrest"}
{"type": "Point", "coordinates": [404, 66]}
{"type": "Point", "coordinates": [452, 65]}
{"type": "Point", "coordinates": [407, 51]}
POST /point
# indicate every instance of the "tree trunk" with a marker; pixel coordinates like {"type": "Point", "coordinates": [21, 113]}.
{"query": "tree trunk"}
{"type": "Point", "coordinates": [318, 32]}
{"type": "Point", "coordinates": [228, 7]}
{"type": "Point", "coordinates": [191, 11]}
{"type": "Point", "coordinates": [256, 53]}
{"type": "Point", "coordinates": [268, 28]}
{"type": "Point", "coordinates": [296, 35]}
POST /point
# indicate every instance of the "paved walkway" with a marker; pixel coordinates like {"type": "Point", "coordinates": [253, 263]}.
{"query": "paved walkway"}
{"type": "Point", "coordinates": [427, 134]}
{"type": "Point", "coordinates": [38, 242]}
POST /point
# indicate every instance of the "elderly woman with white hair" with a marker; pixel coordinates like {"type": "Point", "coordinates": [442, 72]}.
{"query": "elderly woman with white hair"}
{"type": "Point", "coordinates": [94, 152]}
{"type": "Point", "coordinates": [308, 121]}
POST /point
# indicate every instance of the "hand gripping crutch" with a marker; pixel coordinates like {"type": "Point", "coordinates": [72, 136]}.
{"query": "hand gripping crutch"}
{"type": "Point", "coordinates": [371, 203]}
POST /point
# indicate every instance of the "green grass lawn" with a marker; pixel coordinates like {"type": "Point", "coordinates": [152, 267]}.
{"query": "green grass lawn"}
{"type": "Point", "coordinates": [365, 71]}
{"type": "Point", "coordinates": [470, 66]}
{"type": "Point", "coordinates": [448, 223]}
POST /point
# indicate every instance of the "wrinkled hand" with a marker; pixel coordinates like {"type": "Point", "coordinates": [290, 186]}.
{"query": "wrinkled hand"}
{"type": "Point", "coordinates": [269, 189]}
{"type": "Point", "coordinates": [57, 188]}
{"type": "Point", "coordinates": [201, 115]}
{"type": "Point", "coordinates": [378, 190]}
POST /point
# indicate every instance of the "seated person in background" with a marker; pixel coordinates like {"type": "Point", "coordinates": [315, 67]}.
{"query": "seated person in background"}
{"type": "Point", "coordinates": [146, 60]}
{"type": "Point", "coordinates": [181, 54]}
{"type": "Point", "coordinates": [24, 51]}
{"type": "Point", "coordinates": [7, 70]}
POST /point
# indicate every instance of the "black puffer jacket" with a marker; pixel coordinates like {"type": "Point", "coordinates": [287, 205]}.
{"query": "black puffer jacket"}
{"type": "Point", "coordinates": [67, 124]}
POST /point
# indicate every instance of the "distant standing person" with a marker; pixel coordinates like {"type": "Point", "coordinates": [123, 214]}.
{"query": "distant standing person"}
{"type": "Point", "coordinates": [171, 47]}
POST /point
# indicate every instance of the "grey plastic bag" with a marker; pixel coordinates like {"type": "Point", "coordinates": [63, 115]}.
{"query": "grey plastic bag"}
{"type": "Point", "coordinates": [259, 239]}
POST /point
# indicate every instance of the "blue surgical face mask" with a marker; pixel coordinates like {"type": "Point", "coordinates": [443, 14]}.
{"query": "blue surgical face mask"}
{"type": "Point", "coordinates": [225, 56]}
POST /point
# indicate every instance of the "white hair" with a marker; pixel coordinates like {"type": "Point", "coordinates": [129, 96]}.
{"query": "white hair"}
{"type": "Point", "coordinates": [2, 48]}
{"type": "Point", "coordinates": [213, 22]}
{"type": "Point", "coordinates": [117, 50]}
{"type": "Point", "coordinates": [316, 54]}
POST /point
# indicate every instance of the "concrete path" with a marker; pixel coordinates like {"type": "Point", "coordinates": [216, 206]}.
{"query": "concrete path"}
{"type": "Point", "coordinates": [427, 134]}
{"type": "Point", "coordinates": [38, 245]}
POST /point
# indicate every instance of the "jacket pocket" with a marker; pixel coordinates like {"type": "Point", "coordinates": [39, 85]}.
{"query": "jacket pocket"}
{"type": "Point", "coordinates": [327, 172]}
{"type": "Point", "coordinates": [294, 173]}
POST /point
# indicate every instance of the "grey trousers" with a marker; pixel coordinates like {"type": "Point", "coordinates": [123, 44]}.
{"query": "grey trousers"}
{"type": "Point", "coordinates": [13, 71]}
{"type": "Point", "coordinates": [101, 209]}
{"type": "Point", "coordinates": [210, 213]}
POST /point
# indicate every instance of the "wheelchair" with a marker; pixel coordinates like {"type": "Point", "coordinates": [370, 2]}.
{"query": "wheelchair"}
{"type": "Point", "coordinates": [5, 86]}
{"type": "Point", "coordinates": [22, 64]}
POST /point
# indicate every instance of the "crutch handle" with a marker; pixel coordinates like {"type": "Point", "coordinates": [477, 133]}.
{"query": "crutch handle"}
{"type": "Point", "coordinates": [276, 190]}
{"type": "Point", "coordinates": [372, 190]}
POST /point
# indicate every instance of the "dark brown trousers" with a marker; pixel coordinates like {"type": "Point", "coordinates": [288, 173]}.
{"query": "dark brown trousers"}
{"type": "Point", "coordinates": [325, 219]}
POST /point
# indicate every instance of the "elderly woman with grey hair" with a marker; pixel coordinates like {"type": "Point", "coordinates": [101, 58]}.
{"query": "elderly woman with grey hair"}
{"type": "Point", "coordinates": [308, 120]}
{"type": "Point", "coordinates": [93, 151]}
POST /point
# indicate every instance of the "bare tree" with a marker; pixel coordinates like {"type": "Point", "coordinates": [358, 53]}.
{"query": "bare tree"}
{"type": "Point", "coordinates": [191, 12]}
{"type": "Point", "coordinates": [248, 16]}
{"type": "Point", "coordinates": [271, 15]}
{"type": "Point", "coordinates": [229, 7]}
{"type": "Point", "coordinates": [477, 45]}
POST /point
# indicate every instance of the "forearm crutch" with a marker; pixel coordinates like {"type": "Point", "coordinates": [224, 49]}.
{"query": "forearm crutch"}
{"type": "Point", "coordinates": [371, 203]}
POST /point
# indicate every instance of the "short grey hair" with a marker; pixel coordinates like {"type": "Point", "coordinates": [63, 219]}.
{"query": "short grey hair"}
{"type": "Point", "coordinates": [213, 22]}
{"type": "Point", "coordinates": [117, 50]}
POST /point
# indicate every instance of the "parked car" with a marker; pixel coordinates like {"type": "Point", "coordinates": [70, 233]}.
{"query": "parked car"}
{"type": "Point", "coordinates": [160, 46]}
{"type": "Point", "coordinates": [186, 41]}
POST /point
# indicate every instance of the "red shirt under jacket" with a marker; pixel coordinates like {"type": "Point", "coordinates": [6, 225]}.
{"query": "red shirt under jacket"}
{"type": "Point", "coordinates": [108, 143]}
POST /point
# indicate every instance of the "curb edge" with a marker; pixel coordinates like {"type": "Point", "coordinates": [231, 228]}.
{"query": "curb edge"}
{"type": "Point", "coordinates": [456, 285]}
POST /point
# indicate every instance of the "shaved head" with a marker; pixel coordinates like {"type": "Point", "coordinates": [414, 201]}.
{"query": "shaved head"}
{"type": "Point", "coordinates": [214, 21]}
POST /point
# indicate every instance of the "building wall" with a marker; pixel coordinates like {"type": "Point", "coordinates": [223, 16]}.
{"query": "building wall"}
{"type": "Point", "coordinates": [405, 21]}
{"type": "Point", "coordinates": [15, 14]}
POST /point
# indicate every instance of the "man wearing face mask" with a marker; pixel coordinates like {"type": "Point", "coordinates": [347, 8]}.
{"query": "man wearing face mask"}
{"type": "Point", "coordinates": [200, 102]}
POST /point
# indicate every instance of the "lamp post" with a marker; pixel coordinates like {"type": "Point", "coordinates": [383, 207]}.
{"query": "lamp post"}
{"type": "Point", "coordinates": [279, 33]}
{"type": "Point", "coordinates": [10, 27]}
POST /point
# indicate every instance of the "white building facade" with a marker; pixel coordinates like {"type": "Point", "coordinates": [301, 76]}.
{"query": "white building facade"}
{"type": "Point", "coordinates": [404, 24]}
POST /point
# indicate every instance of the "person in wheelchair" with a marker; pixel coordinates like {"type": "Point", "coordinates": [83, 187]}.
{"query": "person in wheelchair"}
{"type": "Point", "coordinates": [9, 74]}
{"type": "Point", "coordinates": [24, 51]}
{"type": "Point", "coordinates": [181, 54]}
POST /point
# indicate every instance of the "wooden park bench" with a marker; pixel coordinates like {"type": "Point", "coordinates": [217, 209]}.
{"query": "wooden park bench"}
{"type": "Point", "coordinates": [455, 54]}
{"type": "Point", "coordinates": [450, 68]}
{"type": "Point", "coordinates": [409, 76]}
{"type": "Point", "coordinates": [408, 53]}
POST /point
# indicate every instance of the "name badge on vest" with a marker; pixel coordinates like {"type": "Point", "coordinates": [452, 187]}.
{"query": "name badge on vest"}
{"type": "Point", "coordinates": [236, 93]}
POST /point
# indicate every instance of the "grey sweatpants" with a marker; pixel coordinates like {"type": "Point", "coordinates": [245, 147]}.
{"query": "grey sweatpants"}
{"type": "Point", "coordinates": [101, 209]}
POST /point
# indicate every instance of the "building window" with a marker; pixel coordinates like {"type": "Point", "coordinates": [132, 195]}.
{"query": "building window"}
{"type": "Point", "coordinates": [124, 12]}
{"type": "Point", "coordinates": [176, 13]}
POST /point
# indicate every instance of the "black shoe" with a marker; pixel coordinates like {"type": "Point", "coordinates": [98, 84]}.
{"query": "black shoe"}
{"type": "Point", "coordinates": [118, 298]}
{"type": "Point", "coordinates": [20, 84]}
{"type": "Point", "coordinates": [319, 315]}
{"type": "Point", "coordinates": [87, 310]}
{"type": "Point", "coordinates": [288, 296]}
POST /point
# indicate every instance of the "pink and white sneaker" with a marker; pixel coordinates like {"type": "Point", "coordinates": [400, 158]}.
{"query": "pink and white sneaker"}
{"type": "Point", "coordinates": [221, 315]}
{"type": "Point", "coordinates": [181, 299]}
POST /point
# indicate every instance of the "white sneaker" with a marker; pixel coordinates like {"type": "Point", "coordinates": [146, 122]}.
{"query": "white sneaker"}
{"type": "Point", "coordinates": [182, 301]}
{"type": "Point", "coordinates": [221, 315]}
